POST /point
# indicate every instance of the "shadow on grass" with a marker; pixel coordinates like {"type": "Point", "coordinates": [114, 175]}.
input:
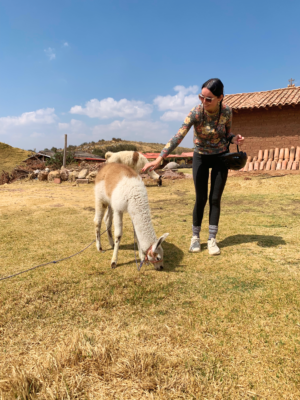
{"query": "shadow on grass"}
{"type": "Point", "coordinates": [173, 256]}
{"type": "Point", "coordinates": [262, 240]}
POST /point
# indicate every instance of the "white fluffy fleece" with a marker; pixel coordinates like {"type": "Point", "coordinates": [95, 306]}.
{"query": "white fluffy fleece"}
{"type": "Point", "coordinates": [126, 157]}
{"type": "Point", "coordinates": [130, 195]}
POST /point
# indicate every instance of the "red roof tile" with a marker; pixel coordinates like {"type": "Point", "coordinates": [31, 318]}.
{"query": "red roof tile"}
{"type": "Point", "coordinates": [270, 98]}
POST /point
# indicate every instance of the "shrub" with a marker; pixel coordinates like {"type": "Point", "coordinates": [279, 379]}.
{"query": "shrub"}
{"type": "Point", "coordinates": [121, 147]}
{"type": "Point", "coordinates": [58, 159]}
{"type": "Point", "coordinates": [99, 152]}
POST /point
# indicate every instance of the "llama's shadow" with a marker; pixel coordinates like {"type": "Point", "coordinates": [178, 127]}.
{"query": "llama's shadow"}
{"type": "Point", "coordinates": [261, 240]}
{"type": "Point", "coordinates": [173, 256]}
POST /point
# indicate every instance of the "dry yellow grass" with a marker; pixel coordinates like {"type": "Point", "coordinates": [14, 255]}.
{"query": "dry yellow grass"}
{"type": "Point", "coordinates": [224, 327]}
{"type": "Point", "coordinates": [11, 156]}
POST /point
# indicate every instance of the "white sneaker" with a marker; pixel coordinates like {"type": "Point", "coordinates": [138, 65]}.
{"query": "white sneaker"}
{"type": "Point", "coordinates": [195, 245]}
{"type": "Point", "coordinates": [213, 249]}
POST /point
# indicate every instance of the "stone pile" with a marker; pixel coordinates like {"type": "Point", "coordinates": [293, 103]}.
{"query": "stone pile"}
{"type": "Point", "coordinates": [274, 160]}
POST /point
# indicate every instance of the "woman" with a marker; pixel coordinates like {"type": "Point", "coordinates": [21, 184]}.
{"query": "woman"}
{"type": "Point", "coordinates": [212, 134]}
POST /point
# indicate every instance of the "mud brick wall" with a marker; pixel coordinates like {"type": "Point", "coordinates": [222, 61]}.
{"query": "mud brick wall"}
{"type": "Point", "coordinates": [264, 129]}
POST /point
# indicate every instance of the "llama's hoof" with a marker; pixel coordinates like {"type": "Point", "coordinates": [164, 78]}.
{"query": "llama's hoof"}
{"type": "Point", "coordinates": [113, 265]}
{"type": "Point", "coordinates": [159, 268]}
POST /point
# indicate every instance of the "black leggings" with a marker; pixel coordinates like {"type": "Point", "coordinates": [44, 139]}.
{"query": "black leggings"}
{"type": "Point", "coordinates": [219, 173]}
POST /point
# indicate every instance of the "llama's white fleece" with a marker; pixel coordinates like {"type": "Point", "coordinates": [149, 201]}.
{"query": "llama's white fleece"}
{"type": "Point", "coordinates": [126, 157]}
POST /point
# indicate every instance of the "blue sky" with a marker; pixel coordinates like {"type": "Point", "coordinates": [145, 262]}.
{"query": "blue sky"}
{"type": "Point", "coordinates": [132, 68]}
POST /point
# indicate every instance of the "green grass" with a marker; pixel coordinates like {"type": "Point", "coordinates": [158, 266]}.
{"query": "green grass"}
{"type": "Point", "coordinates": [225, 327]}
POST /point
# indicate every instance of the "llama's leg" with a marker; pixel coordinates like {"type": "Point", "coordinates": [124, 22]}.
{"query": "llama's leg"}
{"type": "Point", "coordinates": [141, 254]}
{"type": "Point", "coordinates": [100, 210]}
{"type": "Point", "coordinates": [118, 223]}
{"type": "Point", "coordinates": [108, 222]}
{"type": "Point", "coordinates": [153, 175]}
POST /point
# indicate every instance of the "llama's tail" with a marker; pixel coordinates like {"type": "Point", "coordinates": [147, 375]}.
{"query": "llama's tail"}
{"type": "Point", "coordinates": [108, 154]}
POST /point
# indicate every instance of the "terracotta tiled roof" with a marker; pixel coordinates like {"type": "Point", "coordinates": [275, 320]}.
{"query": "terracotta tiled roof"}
{"type": "Point", "coordinates": [271, 98]}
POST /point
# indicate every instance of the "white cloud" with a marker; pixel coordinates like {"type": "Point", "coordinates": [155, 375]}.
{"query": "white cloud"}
{"type": "Point", "coordinates": [50, 53]}
{"type": "Point", "coordinates": [138, 130]}
{"type": "Point", "coordinates": [179, 105]}
{"type": "Point", "coordinates": [65, 44]}
{"type": "Point", "coordinates": [36, 134]}
{"type": "Point", "coordinates": [42, 116]}
{"type": "Point", "coordinates": [110, 108]}
{"type": "Point", "coordinates": [74, 125]}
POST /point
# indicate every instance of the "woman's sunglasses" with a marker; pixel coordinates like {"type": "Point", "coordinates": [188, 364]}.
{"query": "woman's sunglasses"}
{"type": "Point", "coordinates": [208, 99]}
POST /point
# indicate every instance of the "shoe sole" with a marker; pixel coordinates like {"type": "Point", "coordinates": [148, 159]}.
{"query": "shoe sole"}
{"type": "Point", "coordinates": [215, 254]}
{"type": "Point", "coordinates": [194, 251]}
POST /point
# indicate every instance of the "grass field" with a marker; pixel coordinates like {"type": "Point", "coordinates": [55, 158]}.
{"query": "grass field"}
{"type": "Point", "coordinates": [225, 327]}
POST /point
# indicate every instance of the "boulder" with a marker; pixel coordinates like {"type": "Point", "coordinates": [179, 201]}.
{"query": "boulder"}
{"type": "Point", "coordinates": [171, 165]}
{"type": "Point", "coordinates": [73, 176]}
{"type": "Point", "coordinates": [43, 176]}
{"type": "Point", "coordinates": [64, 175]}
{"type": "Point", "coordinates": [52, 175]}
{"type": "Point", "coordinates": [92, 176]}
{"type": "Point", "coordinates": [83, 173]}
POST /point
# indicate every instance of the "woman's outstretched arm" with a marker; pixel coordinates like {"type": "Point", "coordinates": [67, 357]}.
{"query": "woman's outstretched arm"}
{"type": "Point", "coordinates": [174, 141]}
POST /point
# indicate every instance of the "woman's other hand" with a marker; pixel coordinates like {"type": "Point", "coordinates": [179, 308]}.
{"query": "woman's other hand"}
{"type": "Point", "coordinates": [152, 165]}
{"type": "Point", "coordinates": [238, 139]}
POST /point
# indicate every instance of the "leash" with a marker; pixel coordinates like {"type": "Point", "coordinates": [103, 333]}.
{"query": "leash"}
{"type": "Point", "coordinates": [51, 262]}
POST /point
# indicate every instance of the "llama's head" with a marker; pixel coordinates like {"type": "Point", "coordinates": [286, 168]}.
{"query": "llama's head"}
{"type": "Point", "coordinates": [156, 254]}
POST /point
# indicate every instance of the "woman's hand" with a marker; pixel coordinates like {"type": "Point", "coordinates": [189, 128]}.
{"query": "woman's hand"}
{"type": "Point", "coordinates": [238, 139]}
{"type": "Point", "coordinates": [152, 165]}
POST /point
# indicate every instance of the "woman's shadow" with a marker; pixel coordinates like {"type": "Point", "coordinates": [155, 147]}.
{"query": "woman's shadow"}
{"type": "Point", "coordinates": [261, 240]}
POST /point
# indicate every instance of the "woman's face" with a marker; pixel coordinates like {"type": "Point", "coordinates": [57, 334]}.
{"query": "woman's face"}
{"type": "Point", "coordinates": [208, 105]}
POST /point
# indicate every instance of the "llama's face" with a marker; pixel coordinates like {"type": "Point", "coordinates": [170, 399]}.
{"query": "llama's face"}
{"type": "Point", "coordinates": [156, 253]}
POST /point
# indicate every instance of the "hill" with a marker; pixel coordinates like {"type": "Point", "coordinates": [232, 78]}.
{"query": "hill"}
{"type": "Point", "coordinates": [102, 146]}
{"type": "Point", "coordinates": [11, 156]}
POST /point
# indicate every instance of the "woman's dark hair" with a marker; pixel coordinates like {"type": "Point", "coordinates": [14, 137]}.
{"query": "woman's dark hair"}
{"type": "Point", "coordinates": [217, 89]}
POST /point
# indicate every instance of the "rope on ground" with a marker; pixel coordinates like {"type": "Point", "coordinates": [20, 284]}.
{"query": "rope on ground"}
{"type": "Point", "coordinates": [50, 262]}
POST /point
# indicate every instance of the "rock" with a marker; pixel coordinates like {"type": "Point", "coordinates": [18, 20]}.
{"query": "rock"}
{"type": "Point", "coordinates": [73, 176]}
{"type": "Point", "coordinates": [250, 166]}
{"type": "Point", "coordinates": [92, 176]}
{"type": "Point", "coordinates": [295, 165]}
{"type": "Point", "coordinates": [43, 176]}
{"type": "Point", "coordinates": [266, 155]}
{"type": "Point", "coordinates": [64, 175]}
{"type": "Point", "coordinates": [260, 155]}
{"type": "Point", "coordinates": [276, 154]}
{"type": "Point", "coordinates": [171, 165]}
{"type": "Point", "coordinates": [83, 173]}
{"type": "Point", "coordinates": [278, 166]}
{"type": "Point", "coordinates": [289, 166]}
{"type": "Point", "coordinates": [52, 175]}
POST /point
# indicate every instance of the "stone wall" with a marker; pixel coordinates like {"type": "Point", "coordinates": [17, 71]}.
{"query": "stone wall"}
{"type": "Point", "coordinates": [264, 129]}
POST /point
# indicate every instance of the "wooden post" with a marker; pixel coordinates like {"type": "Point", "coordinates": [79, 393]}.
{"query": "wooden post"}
{"type": "Point", "coordinates": [65, 152]}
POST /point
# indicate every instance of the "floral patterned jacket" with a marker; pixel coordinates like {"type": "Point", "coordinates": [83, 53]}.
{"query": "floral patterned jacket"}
{"type": "Point", "coordinates": [209, 138]}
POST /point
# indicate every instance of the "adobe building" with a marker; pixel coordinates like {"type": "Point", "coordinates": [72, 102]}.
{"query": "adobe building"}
{"type": "Point", "coordinates": [266, 119]}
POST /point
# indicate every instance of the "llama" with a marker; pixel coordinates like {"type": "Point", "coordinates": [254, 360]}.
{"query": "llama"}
{"type": "Point", "coordinates": [134, 160]}
{"type": "Point", "coordinates": [118, 189]}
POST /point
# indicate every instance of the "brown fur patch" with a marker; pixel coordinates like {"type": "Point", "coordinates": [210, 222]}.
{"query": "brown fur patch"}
{"type": "Point", "coordinates": [112, 173]}
{"type": "Point", "coordinates": [135, 157]}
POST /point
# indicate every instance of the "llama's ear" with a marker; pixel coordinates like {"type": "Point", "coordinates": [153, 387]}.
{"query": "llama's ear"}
{"type": "Point", "coordinates": [159, 241]}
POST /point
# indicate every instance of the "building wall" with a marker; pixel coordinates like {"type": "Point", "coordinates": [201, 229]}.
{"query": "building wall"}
{"type": "Point", "coordinates": [264, 129]}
